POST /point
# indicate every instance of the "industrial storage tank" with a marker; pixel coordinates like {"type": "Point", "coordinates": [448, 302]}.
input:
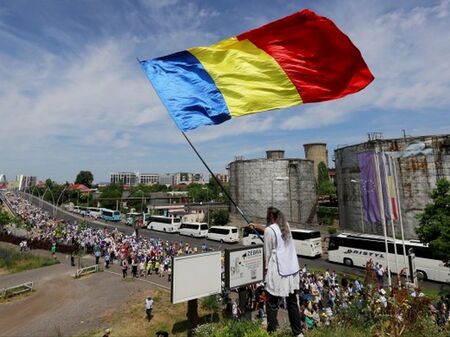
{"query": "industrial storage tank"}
{"type": "Point", "coordinates": [317, 152]}
{"type": "Point", "coordinates": [420, 162]}
{"type": "Point", "coordinates": [286, 183]}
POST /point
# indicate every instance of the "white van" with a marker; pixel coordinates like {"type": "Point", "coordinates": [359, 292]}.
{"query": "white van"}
{"type": "Point", "coordinates": [194, 229]}
{"type": "Point", "coordinates": [223, 234]}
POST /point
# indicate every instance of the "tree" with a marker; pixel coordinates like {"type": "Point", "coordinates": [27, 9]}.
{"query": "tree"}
{"type": "Point", "coordinates": [219, 217]}
{"type": "Point", "coordinates": [434, 222]}
{"type": "Point", "coordinates": [110, 195]}
{"type": "Point", "coordinates": [84, 177]}
{"type": "Point", "coordinates": [322, 173]}
{"type": "Point", "coordinates": [324, 185]}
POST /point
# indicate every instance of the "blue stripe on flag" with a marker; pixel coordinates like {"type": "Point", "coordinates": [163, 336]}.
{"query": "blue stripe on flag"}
{"type": "Point", "coordinates": [187, 90]}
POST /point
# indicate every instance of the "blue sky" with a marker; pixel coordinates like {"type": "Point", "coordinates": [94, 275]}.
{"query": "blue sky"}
{"type": "Point", "coordinates": [73, 97]}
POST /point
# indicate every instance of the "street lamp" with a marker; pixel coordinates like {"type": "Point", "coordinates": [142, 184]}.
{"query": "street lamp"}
{"type": "Point", "coordinates": [277, 179]}
{"type": "Point", "coordinates": [53, 198]}
{"type": "Point", "coordinates": [354, 181]}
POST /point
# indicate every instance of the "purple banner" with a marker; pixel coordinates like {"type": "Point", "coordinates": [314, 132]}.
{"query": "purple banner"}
{"type": "Point", "coordinates": [368, 185]}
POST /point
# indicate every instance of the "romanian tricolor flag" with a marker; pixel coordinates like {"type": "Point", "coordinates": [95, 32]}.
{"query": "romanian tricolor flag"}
{"type": "Point", "coordinates": [302, 58]}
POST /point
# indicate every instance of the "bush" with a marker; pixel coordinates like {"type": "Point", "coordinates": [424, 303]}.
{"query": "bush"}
{"type": "Point", "coordinates": [331, 230]}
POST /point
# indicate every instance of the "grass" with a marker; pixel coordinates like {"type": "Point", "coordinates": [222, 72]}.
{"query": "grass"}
{"type": "Point", "coordinates": [130, 320]}
{"type": "Point", "coordinates": [14, 262]}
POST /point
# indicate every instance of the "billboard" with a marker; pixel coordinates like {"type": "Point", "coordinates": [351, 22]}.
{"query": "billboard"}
{"type": "Point", "coordinates": [196, 276]}
{"type": "Point", "coordinates": [244, 266]}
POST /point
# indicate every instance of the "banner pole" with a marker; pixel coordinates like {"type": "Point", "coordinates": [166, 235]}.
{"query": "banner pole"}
{"type": "Point", "coordinates": [382, 215]}
{"type": "Point", "coordinates": [391, 212]}
{"type": "Point", "coordinates": [399, 207]}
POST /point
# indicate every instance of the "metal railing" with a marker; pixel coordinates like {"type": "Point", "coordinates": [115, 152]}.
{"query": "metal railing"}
{"type": "Point", "coordinates": [86, 270]}
{"type": "Point", "coordinates": [16, 290]}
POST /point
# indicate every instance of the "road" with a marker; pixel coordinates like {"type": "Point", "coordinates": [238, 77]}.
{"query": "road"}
{"type": "Point", "coordinates": [318, 263]}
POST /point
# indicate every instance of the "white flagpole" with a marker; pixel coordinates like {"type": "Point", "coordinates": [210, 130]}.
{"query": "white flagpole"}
{"type": "Point", "coordinates": [383, 219]}
{"type": "Point", "coordinates": [391, 212]}
{"type": "Point", "coordinates": [399, 208]}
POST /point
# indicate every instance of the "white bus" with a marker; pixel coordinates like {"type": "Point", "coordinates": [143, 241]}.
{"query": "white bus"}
{"type": "Point", "coordinates": [223, 234]}
{"type": "Point", "coordinates": [307, 242]}
{"type": "Point", "coordinates": [162, 223]}
{"type": "Point", "coordinates": [94, 212]}
{"type": "Point", "coordinates": [194, 229]}
{"type": "Point", "coordinates": [357, 249]}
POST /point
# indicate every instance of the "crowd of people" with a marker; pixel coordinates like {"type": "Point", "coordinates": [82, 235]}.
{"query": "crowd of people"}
{"type": "Point", "coordinates": [312, 299]}
{"type": "Point", "coordinates": [140, 255]}
{"type": "Point", "coordinates": [315, 299]}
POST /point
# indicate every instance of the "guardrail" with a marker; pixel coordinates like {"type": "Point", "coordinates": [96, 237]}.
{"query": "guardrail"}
{"type": "Point", "coordinates": [16, 290]}
{"type": "Point", "coordinates": [86, 270]}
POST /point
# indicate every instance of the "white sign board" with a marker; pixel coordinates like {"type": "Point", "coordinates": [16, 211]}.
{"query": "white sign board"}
{"type": "Point", "coordinates": [244, 266]}
{"type": "Point", "coordinates": [196, 276]}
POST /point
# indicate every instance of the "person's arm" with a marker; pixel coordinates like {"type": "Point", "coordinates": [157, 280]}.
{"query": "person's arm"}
{"type": "Point", "coordinates": [257, 226]}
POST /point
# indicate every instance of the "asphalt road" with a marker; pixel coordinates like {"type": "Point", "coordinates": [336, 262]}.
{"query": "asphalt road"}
{"type": "Point", "coordinates": [318, 263]}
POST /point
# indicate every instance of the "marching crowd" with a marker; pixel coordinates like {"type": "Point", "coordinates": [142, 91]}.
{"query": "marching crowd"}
{"type": "Point", "coordinates": [321, 295]}
{"type": "Point", "coordinates": [141, 255]}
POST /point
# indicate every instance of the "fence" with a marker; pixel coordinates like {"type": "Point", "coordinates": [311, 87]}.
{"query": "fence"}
{"type": "Point", "coordinates": [16, 290]}
{"type": "Point", "coordinates": [86, 270]}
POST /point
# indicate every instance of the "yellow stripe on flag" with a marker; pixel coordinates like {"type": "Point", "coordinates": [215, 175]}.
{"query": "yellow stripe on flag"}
{"type": "Point", "coordinates": [249, 79]}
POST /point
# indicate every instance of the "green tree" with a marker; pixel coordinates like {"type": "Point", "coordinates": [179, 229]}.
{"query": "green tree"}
{"type": "Point", "coordinates": [109, 196]}
{"type": "Point", "coordinates": [434, 222]}
{"type": "Point", "coordinates": [324, 185]}
{"type": "Point", "coordinates": [198, 193]}
{"type": "Point", "coordinates": [322, 173]}
{"type": "Point", "coordinates": [219, 217]}
{"type": "Point", "coordinates": [84, 177]}
{"type": "Point", "coordinates": [5, 218]}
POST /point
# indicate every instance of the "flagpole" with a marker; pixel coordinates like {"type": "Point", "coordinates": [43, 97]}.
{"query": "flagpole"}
{"type": "Point", "coordinates": [391, 213]}
{"type": "Point", "coordinates": [394, 163]}
{"type": "Point", "coordinates": [215, 178]}
{"type": "Point", "coordinates": [383, 219]}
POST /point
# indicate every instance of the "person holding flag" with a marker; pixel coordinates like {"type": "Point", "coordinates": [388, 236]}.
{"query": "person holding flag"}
{"type": "Point", "coordinates": [282, 278]}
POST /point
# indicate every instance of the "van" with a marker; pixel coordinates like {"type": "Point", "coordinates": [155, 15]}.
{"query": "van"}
{"type": "Point", "coordinates": [194, 229]}
{"type": "Point", "coordinates": [223, 234]}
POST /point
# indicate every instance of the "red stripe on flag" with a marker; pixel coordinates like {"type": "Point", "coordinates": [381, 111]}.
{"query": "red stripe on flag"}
{"type": "Point", "coordinates": [318, 58]}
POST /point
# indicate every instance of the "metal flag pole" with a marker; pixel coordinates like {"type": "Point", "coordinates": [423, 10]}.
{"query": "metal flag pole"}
{"type": "Point", "coordinates": [399, 207]}
{"type": "Point", "coordinates": [245, 217]}
{"type": "Point", "coordinates": [383, 219]}
{"type": "Point", "coordinates": [391, 212]}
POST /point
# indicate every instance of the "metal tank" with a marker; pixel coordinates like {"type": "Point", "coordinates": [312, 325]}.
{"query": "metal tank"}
{"type": "Point", "coordinates": [286, 183]}
{"type": "Point", "coordinates": [420, 162]}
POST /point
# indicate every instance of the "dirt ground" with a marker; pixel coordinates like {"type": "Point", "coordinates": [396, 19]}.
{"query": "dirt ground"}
{"type": "Point", "coordinates": [61, 305]}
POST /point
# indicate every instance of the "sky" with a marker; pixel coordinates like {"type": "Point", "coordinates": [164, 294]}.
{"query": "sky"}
{"type": "Point", "coordinates": [73, 97]}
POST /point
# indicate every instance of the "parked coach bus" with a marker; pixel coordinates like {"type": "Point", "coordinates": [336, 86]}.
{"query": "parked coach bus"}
{"type": "Point", "coordinates": [162, 223]}
{"type": "Point", "coordinates": [357, 249]}
{"type": "Point", "coordinates": [110, 215]}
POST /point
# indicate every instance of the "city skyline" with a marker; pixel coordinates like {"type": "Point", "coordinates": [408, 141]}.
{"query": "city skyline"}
{"type": "Point", "coordinates": [74, 98]}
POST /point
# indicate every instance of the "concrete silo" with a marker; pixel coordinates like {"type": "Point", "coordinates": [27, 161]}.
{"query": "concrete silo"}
{"type": "Point", "coordinates": [420, 162]}
{"type": "Point", "coordinates": [317, 152]}
{"type": "Point", "coordinates": [286, 183]}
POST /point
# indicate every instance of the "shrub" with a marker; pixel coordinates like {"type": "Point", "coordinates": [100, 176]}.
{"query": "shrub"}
{"type": "Point", "coordinates": [331, 230]}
